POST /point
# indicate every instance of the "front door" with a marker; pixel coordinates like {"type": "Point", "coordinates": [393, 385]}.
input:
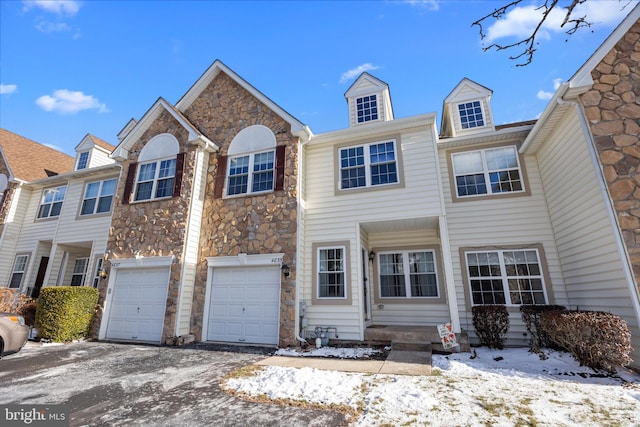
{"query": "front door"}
{"type": "Point", "coordinates": [42, 270]}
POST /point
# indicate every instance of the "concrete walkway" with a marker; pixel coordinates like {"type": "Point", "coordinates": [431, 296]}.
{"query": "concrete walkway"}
{"type": "Point", "coordinates": [399, 362]}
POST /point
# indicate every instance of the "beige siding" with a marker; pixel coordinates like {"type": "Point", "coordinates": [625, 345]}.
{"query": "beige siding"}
{"type": "Point", "coordinates": [501, 221]}
{"type": "Point", "coordinates": [331, 217]}
{"type": "Point", "coordinates": [594, 273]}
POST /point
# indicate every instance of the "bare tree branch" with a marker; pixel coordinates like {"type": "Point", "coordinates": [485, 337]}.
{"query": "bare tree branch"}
{"type": "Point", "coordinates": [528, 44]}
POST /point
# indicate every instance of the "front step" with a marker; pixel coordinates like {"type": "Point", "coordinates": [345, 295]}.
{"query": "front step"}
{"type": "Point", "coordinates": [408, 333]}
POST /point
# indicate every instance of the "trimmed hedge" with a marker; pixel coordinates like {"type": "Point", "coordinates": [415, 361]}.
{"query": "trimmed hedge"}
{"type": "Point", "coordinates": [65, 313]}
{"type": "Point", "coordinates": [599, 340]}
{"type": "Point", "coordinates": [538, 338]}
{"type": "Point", "coordinates": [491, 323]}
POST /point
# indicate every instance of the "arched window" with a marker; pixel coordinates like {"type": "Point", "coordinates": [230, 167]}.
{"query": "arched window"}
{"type": "Point", "coordinates": [158, 173]}
{"type": "Point", "coordinates": [254, 164]}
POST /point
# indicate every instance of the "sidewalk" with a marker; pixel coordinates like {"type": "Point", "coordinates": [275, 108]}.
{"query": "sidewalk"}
{"type": "Point", "coordinates": [397, 363]}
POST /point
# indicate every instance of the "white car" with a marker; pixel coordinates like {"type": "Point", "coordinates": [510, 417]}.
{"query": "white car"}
{"type": "Point", "coordinates": [13, 333]}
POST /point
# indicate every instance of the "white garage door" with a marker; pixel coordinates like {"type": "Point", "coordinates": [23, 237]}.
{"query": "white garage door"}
{"type": "Point", "coordinates": [244, 305]}
{"type": "Point", "coordinates": [138, 304]}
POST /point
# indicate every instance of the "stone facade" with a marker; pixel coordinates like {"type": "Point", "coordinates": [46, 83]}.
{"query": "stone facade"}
{"type": "Point", "coordinates": [254, 224]}
{"type": "Point", "coordinates": [153, 228]}
{"type": "Point", "coordinates": [612, 108]}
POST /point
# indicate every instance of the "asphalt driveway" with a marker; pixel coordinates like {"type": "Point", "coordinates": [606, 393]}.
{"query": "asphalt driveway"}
{"type": "Point", "coordinates": [107, 384]}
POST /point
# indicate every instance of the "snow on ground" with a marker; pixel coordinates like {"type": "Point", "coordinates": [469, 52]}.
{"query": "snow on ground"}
{"type": "Point", "coordinates": [341, 353]}
{"type": "Point", "coordinates": [496, 387]}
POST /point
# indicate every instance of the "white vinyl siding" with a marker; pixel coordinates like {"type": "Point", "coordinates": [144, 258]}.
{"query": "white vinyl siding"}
{"type": "Point", "coordinates": [514, 222]}
{"type": "Point", "coordinates": [330, 218]}
{"type": "Point", "coordinates": [590, 259]}
{"type": "Point", "coordinates": [192, 242]}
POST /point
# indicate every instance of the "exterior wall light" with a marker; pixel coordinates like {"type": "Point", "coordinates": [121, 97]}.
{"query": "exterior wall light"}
{"type": "Point", "coordinates": [285, 270]}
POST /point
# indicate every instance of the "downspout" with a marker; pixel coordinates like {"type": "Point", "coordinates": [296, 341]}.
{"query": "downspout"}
{"type": "Point", "coordinates": [609, 204]}
{"type": "Point", "coordinates": [304, 136]}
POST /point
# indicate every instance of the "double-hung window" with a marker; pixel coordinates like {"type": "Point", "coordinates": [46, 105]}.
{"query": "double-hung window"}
{"type": "Point", "coordinates": [408, 274]}
{"type": "Point", "coordinates": [83, 160]}
{"type": "Point", "coordinates": [98, 197]}
{"type": "Point", "coordinates": [470, 115]}
{"type": "Point", "coordinates": [155, 180]}
{"type": "Point", "coordinates": [331, 272]}
{"type": "Point", "coordinates": [79, 271]}
{"type": "Point", "coordinates": [19, 268]}
{"type": "Point", "coordinates": [51, 203]}
{"type": "Point", "coordinates": [489, 171]}
{"type": "Point", "coordinates": [252, 173]}
{"type": "Point", "coordinates": [368, 165]}
{"type": "Point", "coordinates": [367, 108]}
{"type": "Point", "coordinates": [510, 277]}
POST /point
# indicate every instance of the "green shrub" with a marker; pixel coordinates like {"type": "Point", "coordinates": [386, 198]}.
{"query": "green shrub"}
{"type": "Point", "coordinates": [65, 313]}
{"type": "Point", "coordinates": [596, 339]}
{"type": "Point", "coordinates": [491, 323]}
{"type": "Point", "coordinates": [538, 338]}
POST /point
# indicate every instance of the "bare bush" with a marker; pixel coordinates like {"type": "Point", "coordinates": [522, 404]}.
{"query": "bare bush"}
{"type": "Point", "coordinates": [599, 340]}
{"type": "Point", "coordinates": [491, 323]}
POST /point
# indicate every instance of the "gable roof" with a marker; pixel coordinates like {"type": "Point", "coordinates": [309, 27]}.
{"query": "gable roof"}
{"type": "Point", "coordinates": [579, 83]}
{"type": "Point", "coordinates": [28, 160]}
{"type": "Point", "coordinates": [467, 89]}
{"type": "Point", "coordinates": [367, 83]}
{"type": "Point", "coordinates": [195, 136]}
{"type": "Point", "coordinates": [93, 141]}
{"type": "Point", "coordinates": [297, 128]}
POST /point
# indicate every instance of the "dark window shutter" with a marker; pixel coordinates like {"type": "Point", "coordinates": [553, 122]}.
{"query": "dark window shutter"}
{"type": "Point", "coordinates": [280, 159]}
{"type": "Point", "coordinates": [177, 182]}
{"type": "Point", "coordinates": [3, 201]}
{"type": "Point", "coordinates": [221, 175]}
{"type": "Point", "coordinates": [128, 184]}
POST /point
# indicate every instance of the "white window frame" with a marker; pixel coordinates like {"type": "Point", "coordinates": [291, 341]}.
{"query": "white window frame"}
{"type": "Point", "coordinates": [98, 198]}
{"type": "Point", "coordinates": [482, 112]}
{"type": "Point", "coordinates": [360, 107]}
{"type": "Point", "coordinates": [16, 270]}
{"type": "Point", "coordinates": [55, 200]}
{"type": "Point", "coordinates": [342, 272]}
{"type": "Point", "coordinates": [486, 172]}
{"type": "Point", "coordinates": [155, 180]}
{"type": "Point", "coordinates": [251, 174]}
{"type": "Point", "coordinates": [368, 165]}
{"type": "Point", "coordinates": [82, 274]}
{"type": "Point", "coordinates": [407, 273]}
{"type": "Point", "coordinates": [83, 160]}
{"type": "Point", "coordinates": [504, 277]}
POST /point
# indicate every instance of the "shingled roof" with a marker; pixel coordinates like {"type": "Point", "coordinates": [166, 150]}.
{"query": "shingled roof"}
{"type": "Point", "coordinates": [101, 143]}
{"type": "Point", "coordinates": [29, 160]}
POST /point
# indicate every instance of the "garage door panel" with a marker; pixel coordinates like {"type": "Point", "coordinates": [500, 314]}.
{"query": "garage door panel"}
{"type": "Point", "coordinates": [244, 305]}
{"type": "Point", "coordinates": [138, 304]}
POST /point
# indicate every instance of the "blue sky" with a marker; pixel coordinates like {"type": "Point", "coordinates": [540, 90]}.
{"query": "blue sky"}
{"type": "Point", "coordinates": [68, 68]}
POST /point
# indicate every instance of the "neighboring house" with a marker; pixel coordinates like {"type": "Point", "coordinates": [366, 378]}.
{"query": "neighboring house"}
{"type": "Point", "coordinates": [56, 215]}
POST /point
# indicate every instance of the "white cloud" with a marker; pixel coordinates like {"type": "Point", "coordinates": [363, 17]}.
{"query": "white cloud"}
{"type": "Point", "coordinates": [426, 4]}
{"type": "Point", "coordinates": [68, 102]}
{"type": "Point", "coordinates": [59, 7]}
{"type": "Point", "coordinates": [52, 27]}
{"type": "Point", "coordinates": [8, 89]}
{"type": "Point", "coordinates": [521, 21]}
{"type": "Point", "coordinates": [544, 95]}
{"type": "Point", "coordinates": [348, 75]}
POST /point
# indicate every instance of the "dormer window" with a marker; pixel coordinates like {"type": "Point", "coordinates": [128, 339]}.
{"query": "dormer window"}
{"type": "Point", "coordinates": [83, 160]}
{"type": "Point", "coordinates": [471, 115]}
{"type": "Point", "coordinates": [367, 108]}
